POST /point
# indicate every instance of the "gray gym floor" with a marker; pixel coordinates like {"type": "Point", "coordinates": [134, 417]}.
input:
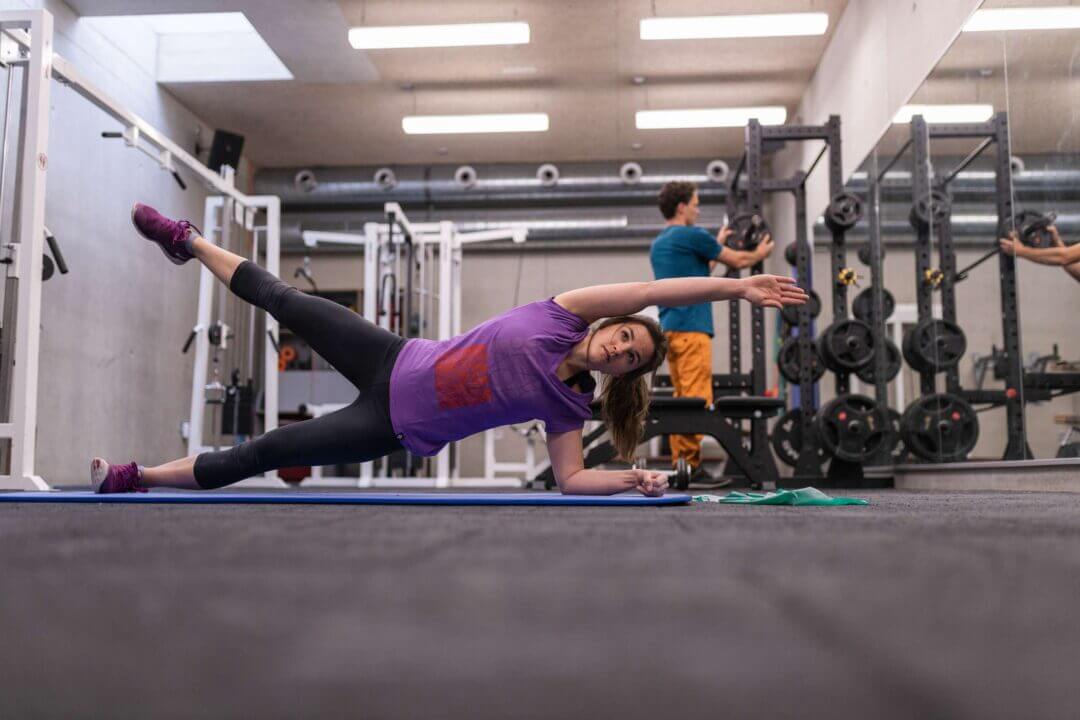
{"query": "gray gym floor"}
{"type": "Point", "coordinates": [922, 605]}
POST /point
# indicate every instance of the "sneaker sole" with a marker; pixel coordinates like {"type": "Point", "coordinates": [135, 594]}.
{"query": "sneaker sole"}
{"type": "Point", "coordinates": [99, 470]}
{"type": "Point", "coordinates": [171, 258]}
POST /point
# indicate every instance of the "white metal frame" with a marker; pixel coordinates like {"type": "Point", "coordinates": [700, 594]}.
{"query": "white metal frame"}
{"type": "Point", "coordinates": [215, 224]}
{"type": "Point", "coordinates": [35, 29]}
{"type": "Point", "coordinates": [26, 38]}
{"type": "Point", "coordinates": [375, 242]}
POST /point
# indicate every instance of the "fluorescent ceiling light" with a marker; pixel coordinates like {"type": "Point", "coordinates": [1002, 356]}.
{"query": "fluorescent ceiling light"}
{"type": "Point", "coordinates": [709, 117]}
{"type": "Point", "coordinates": [1032, 18]}
{"type": "Point", "coordinates": [446, 124]}
{"type": "Point", "coordinates": [735, 26]}
{"type": "Point", "coordinates": [415, 36]}
{"type": "Point", "coordinates": [945, 114]}
{"type": "Point", "coordinates": [193, 47]}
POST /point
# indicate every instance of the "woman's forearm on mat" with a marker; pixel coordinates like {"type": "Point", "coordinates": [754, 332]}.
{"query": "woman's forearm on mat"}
{"type": "Point", "coordinates": [598, 482]}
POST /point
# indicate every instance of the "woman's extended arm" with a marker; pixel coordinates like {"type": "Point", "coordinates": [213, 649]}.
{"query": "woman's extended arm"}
{"type": "Point", "coordinates": [598, 301]}
{"type": "Point", "coordinates": [1058, 254]}
{"type": "Point", "coordinates": [564, 451]}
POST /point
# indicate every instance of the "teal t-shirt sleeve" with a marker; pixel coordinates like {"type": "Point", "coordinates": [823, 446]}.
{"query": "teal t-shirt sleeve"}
{"type": "Point", "coordinates": [705, 245]}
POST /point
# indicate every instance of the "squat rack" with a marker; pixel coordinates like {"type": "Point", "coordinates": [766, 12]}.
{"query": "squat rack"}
{"type": "Point", "coordinates": [1020, 385]}
{"type": "Point", "coordinates": [26, 41]}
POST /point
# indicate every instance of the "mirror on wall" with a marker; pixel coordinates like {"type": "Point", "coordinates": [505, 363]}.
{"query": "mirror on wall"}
{"type": "Point", "coordinates": [992, 133]}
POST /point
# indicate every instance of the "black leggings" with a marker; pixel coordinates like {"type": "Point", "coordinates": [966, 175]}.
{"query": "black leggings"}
{"type": "Point", "coordinates": [364, 353]}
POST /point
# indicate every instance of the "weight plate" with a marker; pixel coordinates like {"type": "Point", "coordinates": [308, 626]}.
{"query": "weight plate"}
{"type": "Point", "coordinates": [787, 437]}
{"type": "Point", "coordinates": [853, 428]}
{"type": "Point", "coordinates": [846, 346]}
{"type": "Point", "coordinates": [934, 345]}
{"type": "Point", "coordinates": [864, 301]}
{"type": "Point", "coordinates": [791, 254]}
{"type": "Point", "coordinates": [843, 212]}
{"type": "Point", "coordinates": [682, 474]}
{"type": "Point", "coordinates": [790, 313]}
{"type": "Point", "coordinates": [892, 364]}
{"type": "Point", "coordinates": [1032, 227]}
{"type": "Point", "coordinates": [788, 361]}
{"type": "Point", "coordinates": [936, 205]}
{"type": "Point", "coordinates": [747, 231]}
{"type": "Point", "coordinates": [899, 450]}
{"type": "Point", "coordinates": [864, 254]}
{"type": "Point", "coordinates": [940, 428]}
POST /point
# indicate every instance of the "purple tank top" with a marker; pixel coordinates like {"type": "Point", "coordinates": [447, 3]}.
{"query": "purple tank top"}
{"type": "Point", "coordinates": [500, 372]}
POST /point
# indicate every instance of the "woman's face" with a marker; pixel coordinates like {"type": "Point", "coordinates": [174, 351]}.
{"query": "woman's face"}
{"type": "Point", "coordinates": [619, 349]}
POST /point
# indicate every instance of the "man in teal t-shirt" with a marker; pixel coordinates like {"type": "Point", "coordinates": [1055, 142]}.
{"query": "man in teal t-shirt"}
{"type": "Point", "coordinates": [683, 250]}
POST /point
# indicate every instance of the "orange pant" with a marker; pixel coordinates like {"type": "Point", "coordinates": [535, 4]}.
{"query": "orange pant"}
{"type": "Point", "coordinates": [690, 361]}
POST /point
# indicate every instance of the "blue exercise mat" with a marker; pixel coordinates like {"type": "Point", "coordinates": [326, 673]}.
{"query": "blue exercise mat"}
{"type": "Point", "coordinates": [286, 497]}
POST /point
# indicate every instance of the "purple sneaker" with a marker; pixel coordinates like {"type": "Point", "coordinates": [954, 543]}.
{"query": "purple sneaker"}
{"type": "Point", "coordinates": [106, 478]}
{"type": "Point", "coordinates": [170, 235]}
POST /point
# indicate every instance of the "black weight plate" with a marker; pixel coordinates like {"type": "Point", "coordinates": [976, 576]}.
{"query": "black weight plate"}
{"type": "Point", "coordinates": [790, 313]}
{"type": "Point", "coordinates": [864, 254]}
{"type": "Point", "coordinates": [853, 428]}
{"type": "Point", "coordinates": [843, 212]}
{"type": "Point", "coordinates": [899, 450]}
{"type": "Point", "coordinates": [788, 361]}
{"type": "Point", "coordinates": [787, 437]}
{"type": "Point", "coordinates": [846, 346]}
{"type": "Point", "coordinates": [1032, 227]}
{"type": "Point", "coordinates": [893, 363]}
{"type": "Point", "coordinates": [937, 205]}
{"type": "Point", "coordinates": [791, 254]}
{"type": "Point", "coordinates": [934, 345]}
{"type": "Point", "coordinates": [940, 428]}
{"type": "Point", "coordinates": [864, 301]}
{"type": "Point", "coordinates": [747, 231]}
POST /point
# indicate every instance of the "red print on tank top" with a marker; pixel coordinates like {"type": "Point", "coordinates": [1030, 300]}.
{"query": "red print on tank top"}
{"type": "Point", "coordinates": [461, 378]}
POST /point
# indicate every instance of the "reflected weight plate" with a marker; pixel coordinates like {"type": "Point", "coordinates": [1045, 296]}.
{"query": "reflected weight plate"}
{"type": "Point", "coordinates": [864, 302]}
{"type": "Point", "coordinates": [853, 428]}
{"type": "Point", "coordinates": [844, 211]}
{"type": "Point", "coordinates": [936, 207]}
{"type": "Point", "coordinates": [846, 346]}
{"type": "Point", "coordinates": [934, 345]}
{"type": "Point", "coordinates": [788, 361]}
{"type": "Point", "coordinates": [790, 313]}
{"type": "Point", "coordinates": [940, 428]}
{"type": "Point", "coordinates": [892, 364]}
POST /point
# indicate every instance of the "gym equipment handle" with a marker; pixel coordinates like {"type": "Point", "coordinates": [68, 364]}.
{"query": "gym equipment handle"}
{"type": "Point", "coordinates": [54, 247]}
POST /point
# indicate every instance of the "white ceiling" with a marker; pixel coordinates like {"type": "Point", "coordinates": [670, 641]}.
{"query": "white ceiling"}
{"type": "Point", "coordinates": [344, 107]}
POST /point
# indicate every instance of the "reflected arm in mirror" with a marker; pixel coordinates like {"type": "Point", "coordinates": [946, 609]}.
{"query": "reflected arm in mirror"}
{"type": "Point", "coordinates": [1059, 254]}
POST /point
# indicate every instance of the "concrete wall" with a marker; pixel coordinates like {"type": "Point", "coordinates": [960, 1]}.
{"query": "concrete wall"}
{"type": "Point", "coordinates": [113, 381]}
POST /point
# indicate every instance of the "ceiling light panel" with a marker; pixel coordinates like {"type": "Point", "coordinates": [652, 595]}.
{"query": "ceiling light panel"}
{"type": "Point", "coordinates": [427, 36]}
{"type": "Point", "coordinates": [1035, 18]}
{"type": "Point", "coordinates": [734, 26]}
{"type": "Point", "coordinates": [709, 117]}
{"type": "Point", "coordinates": [470, 124]}
{"type": "Point", "coordinates": [945, 114]}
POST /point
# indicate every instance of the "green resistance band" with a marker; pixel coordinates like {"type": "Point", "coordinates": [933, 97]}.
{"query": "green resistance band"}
{"type": "Point", "coordinates": [807, 496]}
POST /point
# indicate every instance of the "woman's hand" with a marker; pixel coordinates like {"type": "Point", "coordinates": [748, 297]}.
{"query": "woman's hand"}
{"type": "Point", "coordinates": [772, 291]}
{"type": "Point", "coordinates": [652, 484]}
{"type": "Point", "coordinates": [1055, 237]}
{"type": "Point", "coordinates": [1010, 244]}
